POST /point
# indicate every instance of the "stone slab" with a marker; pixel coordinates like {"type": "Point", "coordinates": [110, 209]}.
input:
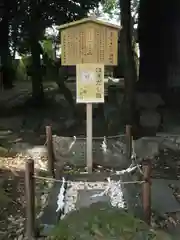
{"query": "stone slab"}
{"type": "Point", "coordinates": [73, 151]}
{"type": "Point", "coordinates": [84, 198]}
{"type": "Point", "coordinates": [163, 200]}
{"type": "Point", "coordinates": [146, 147]}
{"type": "Point", "coordinates": [150, 118]}
{"type": "Point", "coordinates": [132, 195]}
{"type": "Point", "coordinates": [50, 216]}
{"type": "Point", "coordinates": [175, 232]}
{"type": "Point", "coordinates": [149, 100]}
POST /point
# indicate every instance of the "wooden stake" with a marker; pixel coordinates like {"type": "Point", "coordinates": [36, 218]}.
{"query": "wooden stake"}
{"type": "Point", "coordinates": [50, 151]}
{"type": "Point", "coordinates": [30, 199]}
{"type": "Point", "coordinates": [128, 141]}
{"type": "Point", "coordinates": [89, 155]}
{"type": "Point", "coordinates": [146, 192]}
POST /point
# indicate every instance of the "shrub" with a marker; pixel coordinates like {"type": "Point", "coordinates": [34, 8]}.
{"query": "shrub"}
{"type": "Point", "coordinates": [103, 222]}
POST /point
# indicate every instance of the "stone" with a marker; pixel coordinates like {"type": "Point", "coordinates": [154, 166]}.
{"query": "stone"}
{"type": "Point", "coordinates": [120, 98]}
{"type": "Point", "coordinates": [73, 151]}
{"type": "Point", "coordinates": [21, 237]}
{"type": "Point", "coordinates": [59, 98]}
{"type": "Point", "coordinates": [21, 147]}
{"type": "Point", "coordinates": [70, 123]}
{"type": "Point", "coordinates": [112, 158]}
{"type": "Point", "coordinates": [62, 145]}
{"type": "Point", "coordinates": [50, 216]}
{"type": "Point", "coordinates": [178, 140]}
{"type": "Point", "coordinates": [3, 151]}
{"type": "Point", "coordinates": [84, 198]}
{"type": "Point", "coordinates": [37, 151]}
{"type": "Point", "coordinates": [146, 148]}
{"type": "Point", "coordinates": [12, 123]}
{"type": "Point", "coordinates": [109, 109]}
{"type": "Point", "coordinates": [163, 200]}
{"type": "Point", "coordinates": [150, 118]}
{"type": "Point", "coordinates": [149, 100]}
{"type": "Point", "coordinates": [132, 195]}
{"type": "Point", "coordinates": [5, 132]}
{"type": "Point", "coordinates": [25, 148]}
{"type": "Point", "coordinates": [168, 143]}
{"type": "Point", "coordinates": [89, 190]}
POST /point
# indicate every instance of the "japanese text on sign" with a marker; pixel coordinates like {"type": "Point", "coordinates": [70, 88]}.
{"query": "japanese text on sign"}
{"type": "Point", "coordinates": [90, 83]}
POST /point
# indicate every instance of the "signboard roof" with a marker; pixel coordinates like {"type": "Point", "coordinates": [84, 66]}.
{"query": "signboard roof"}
{"type": "Point", "coordinates": [88, 20]}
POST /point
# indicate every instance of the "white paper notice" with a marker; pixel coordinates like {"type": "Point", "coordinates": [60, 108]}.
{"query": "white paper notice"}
{"type": "Point", "coordinates": [87, 77]}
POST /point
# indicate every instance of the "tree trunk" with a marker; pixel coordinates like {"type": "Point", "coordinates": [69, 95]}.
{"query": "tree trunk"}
{"type": "Point", "coordinates": [37, 86]}
{"type": "Point", "coordinates": [6, 65]}
{"type": "Point", "coordinates": [156, 42]}
{"type": "Point", "coordinates": [130, 74]}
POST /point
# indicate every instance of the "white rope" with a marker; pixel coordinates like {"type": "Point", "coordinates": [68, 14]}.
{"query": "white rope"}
{"type": "Point", "coordinates": [68, 181]}
{"type": "Point", "coordinates": [123, 135]}
{"type": "Point", "coordinates": [134, 165]}
{"type": "Point", "coordinates": [96, 138]}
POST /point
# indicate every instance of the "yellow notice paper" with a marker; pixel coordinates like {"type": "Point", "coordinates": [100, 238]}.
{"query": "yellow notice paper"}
{"type": "Point", "coordinates": [90, 83]}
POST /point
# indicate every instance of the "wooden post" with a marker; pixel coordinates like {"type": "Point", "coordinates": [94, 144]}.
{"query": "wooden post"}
{"type": "Point", "coordinates": [50, 150]}
{"type": "Point", "coordinates": [89, 155]}
{"type": "Point", "coordinates": [30, 199]}
{"type": "Point", "coordinates": [146, 191]}
{"type": "Point", "coordinates": [128, 141]}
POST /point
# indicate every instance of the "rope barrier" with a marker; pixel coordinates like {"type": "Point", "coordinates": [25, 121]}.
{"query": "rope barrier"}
{"type": "Point", "coordinates": [134, 165]}
{"type": "Point", "coordinates": [61, 181]}
{"type": "Point", "coordinates": [122, 135]}
{"type": "Point", "coordinates": [96, 138]}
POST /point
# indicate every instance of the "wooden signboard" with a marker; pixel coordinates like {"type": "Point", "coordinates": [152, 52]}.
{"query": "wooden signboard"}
{"type": "Point", "coordinates": [89, 44]}
{"type": "Point", "coordinates": [89, 41]}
